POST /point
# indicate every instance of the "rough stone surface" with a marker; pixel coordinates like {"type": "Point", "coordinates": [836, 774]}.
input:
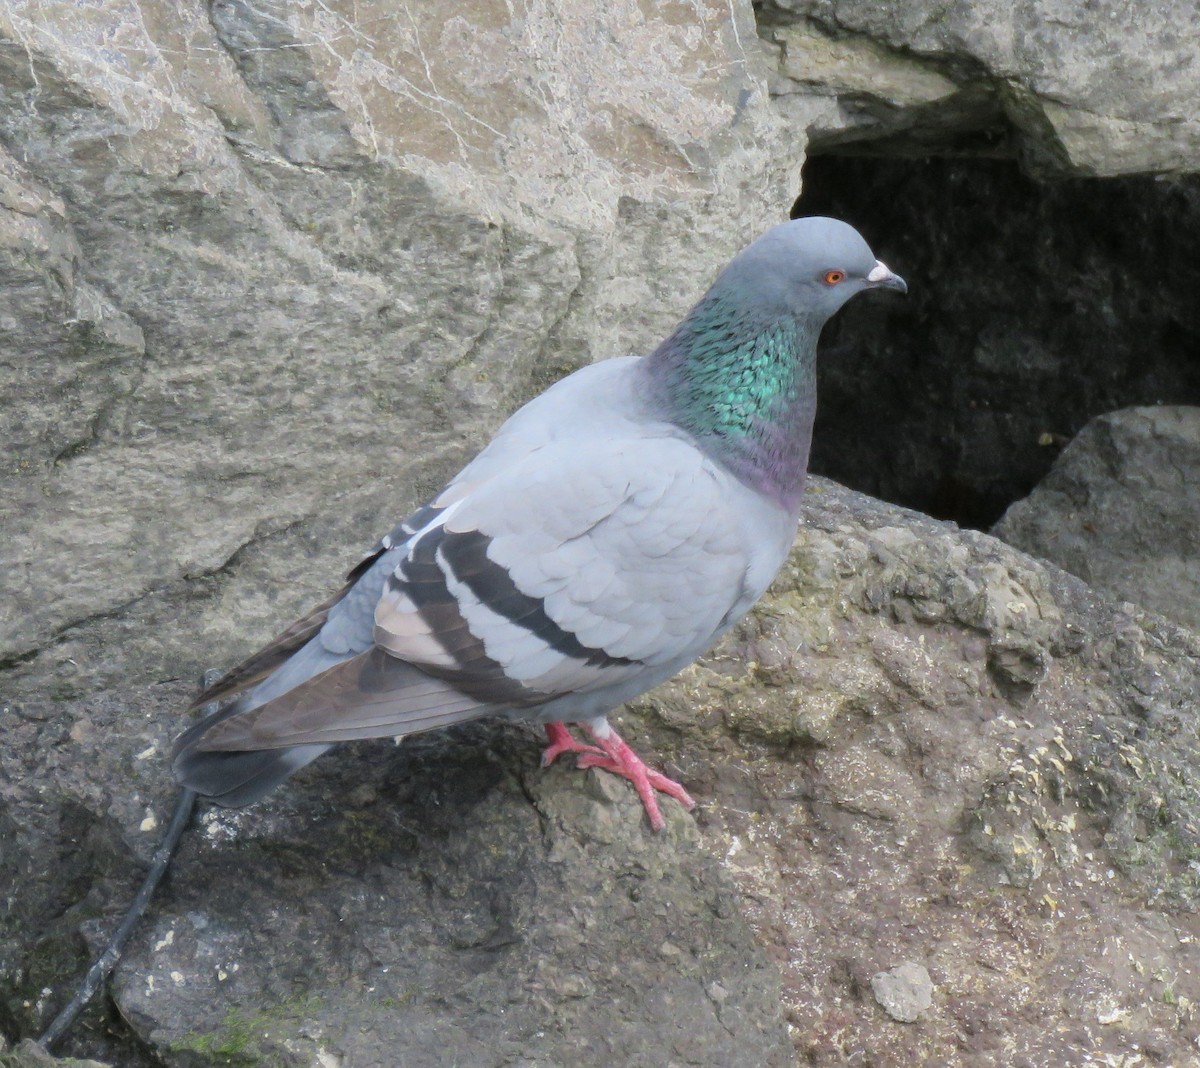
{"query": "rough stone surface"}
{"type": "Point", "coordinates": [444, 902]}
{"type": "Point", "coordinates": [30, 1055]}
{"type": "Point", "coordinates": [904, 992]}
{"type": "Point", "coordinates": [1121, 509]}
{"type": "Point", "coordinates": [924, 745]}
{"type": "Point", "coordinates": [1100, 89]}
{"type": "Point", "coordinates": [444, 897]}
{"type": "Point", "coordinates": [270, 271]}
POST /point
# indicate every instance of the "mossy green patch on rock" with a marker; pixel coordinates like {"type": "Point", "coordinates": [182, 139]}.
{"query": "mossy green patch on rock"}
{"type": "Point", "coordinates": [243, 1038]}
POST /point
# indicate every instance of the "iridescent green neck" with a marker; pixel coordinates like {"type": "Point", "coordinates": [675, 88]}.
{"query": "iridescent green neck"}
{"type": "Point", "coordinates": [744, 386]}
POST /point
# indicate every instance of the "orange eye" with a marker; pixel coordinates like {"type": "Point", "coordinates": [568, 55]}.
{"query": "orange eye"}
{"type": "Point", "coordinates": [833, 277]}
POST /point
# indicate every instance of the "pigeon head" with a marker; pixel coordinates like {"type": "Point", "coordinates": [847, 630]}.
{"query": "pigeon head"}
{"type": "Point", "coordinates": [807, 268]}
{"type": "Point", "coordinates": [739, 373]}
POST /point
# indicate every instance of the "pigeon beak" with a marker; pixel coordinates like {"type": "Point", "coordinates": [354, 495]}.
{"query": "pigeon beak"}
{"type": "Point", "coordinates": [881, 277]}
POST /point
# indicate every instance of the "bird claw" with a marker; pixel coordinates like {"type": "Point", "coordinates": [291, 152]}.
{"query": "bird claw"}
{"type": "Point", "coordinates": [562, 741]}
{"type": "Point", "coordinates": [613, 754]}
{"type": "Point", "coordinates": [621, 760]}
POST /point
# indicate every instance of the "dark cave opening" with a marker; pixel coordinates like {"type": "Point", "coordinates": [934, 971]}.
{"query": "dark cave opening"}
{"type": "Point", "coordinates": [1033, 306]}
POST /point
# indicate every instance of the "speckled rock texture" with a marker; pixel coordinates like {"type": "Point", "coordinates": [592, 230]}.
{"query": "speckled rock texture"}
{"type": "Point", "coordinates": [1121, 509]}
{"type": "Point", "coordinates": [444, 902]}
{"type": "Point", "coordinates": [29, 1054]}
{"type": "Point", "coordinates": [927, 747]}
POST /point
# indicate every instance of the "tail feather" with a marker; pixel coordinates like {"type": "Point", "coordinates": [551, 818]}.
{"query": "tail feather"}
{"type": "Point", "coordinates": [235, 779]}
{"type": "Point", "coordinates": [316, 699]}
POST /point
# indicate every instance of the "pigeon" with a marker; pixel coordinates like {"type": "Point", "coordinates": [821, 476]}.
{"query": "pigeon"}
{"type": "Point", "coordinates": [610, 532]}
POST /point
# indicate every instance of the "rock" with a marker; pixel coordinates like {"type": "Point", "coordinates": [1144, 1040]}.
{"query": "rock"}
{"type": "Point", "coordinates": [904, 992]}
{"type": "Point", "coordinates": [29, 1054]}
{"type": "Point", "coordinates": [1100, 91]}
{"type": "Point", "coordinates": [283, 228]}
{"type": "Point", "coordinates": [1121, 509]}
{"type": "Point", "coordinates": [923, 745]}
{"type": "Point", "coordinates": [926, 745]}
{"type": "Point", "coordinates": [469, 910]}
{"type": "Point", "coordinates": [247, 250]}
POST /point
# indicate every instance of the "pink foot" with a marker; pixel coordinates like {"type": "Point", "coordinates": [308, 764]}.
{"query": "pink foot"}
{"type": "Point", "coordinates": [562, 741]}
{"type": "Point", "coordinates": [623, 761]}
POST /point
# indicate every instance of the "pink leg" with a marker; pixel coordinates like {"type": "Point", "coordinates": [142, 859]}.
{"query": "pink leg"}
{"type": "Point", "coordinates": [561, 741]}
{"type": "Point", "coordinates": [621, 760]}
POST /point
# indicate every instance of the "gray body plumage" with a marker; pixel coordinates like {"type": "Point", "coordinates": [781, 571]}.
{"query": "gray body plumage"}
{"type": "Point", "coordinates": [595, 547]}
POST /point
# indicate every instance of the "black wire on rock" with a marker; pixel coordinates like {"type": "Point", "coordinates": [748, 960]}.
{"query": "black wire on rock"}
{"type": "Point", "coordinates": [107, 960]}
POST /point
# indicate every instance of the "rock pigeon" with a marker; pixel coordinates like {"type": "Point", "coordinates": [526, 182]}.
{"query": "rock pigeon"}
{"type": "Point", "coordinates": [614, 527]}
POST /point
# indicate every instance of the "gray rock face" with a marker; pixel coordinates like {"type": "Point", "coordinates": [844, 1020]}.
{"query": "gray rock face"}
{"type": "Point", "coordinates": [447, 903]}
{"type": "Point", "coordinates": [925, 745]}
{"type": "Point", "coordinates": [267, 276]}
{"type": "Point", "coordinates": [29, 1055]}
{"type": "Point", "coordinates": [1102, 89]}
{"type": "Point", "coordinates": [1121, 509]}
